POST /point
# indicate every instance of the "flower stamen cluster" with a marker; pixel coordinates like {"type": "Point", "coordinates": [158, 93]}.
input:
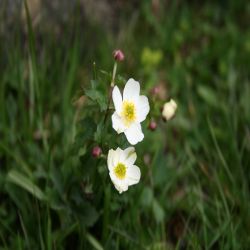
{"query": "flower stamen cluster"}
{"type": "Point", "coordinates": [128, 113]}
{"type": "Point", "coordinates": [120, 171]}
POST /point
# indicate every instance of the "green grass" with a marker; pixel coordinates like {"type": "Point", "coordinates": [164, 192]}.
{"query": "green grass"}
{"type": "Point", "coordinates": [194, 190]}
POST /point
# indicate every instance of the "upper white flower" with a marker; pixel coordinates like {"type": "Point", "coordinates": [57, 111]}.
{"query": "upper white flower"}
{"type": "Point", "coordinates": [130, 110]}
{"type": "Point", "coordinates": [122, 170]}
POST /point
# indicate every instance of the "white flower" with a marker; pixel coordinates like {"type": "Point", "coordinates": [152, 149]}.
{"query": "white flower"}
{"type": "Point", "coordinates": [122, 170]}
{"type": "Point", "coordinates": [130, 111]}
{"type": "Point", "coordinates": [169, 110]}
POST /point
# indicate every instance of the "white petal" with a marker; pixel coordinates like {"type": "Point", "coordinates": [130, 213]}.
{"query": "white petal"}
{"type": "Point", "coordinates": [120, 185]}
{"type": "Point", "coordinates": [129, 151]}
{"type": "Point", "coordinates": [110, 159]}
{"type": "Point", "coordinates": [142, 108]}
{"type": "Point", "coordinates": [131, 90]}
{"type": "Point", "coordinates": [115, 158]}
{"type": "Point", "coordinates": [126, 153]}
{"type": "Point", "coordinates": [119, 153]}
{"type": "Point", "coordinates": [130, 156]}
{"type": "Point", "coordinates": [133, 175]}
{"type": "Point", "coordinates": [121, 188]}
{"type": "Point", "coordinates": [131, 159]}
{"type": "Point", "coordinates": [117, 99]}
{"type": "Point", "coordinates": [117, 123]}
{"type": "Point", "coordinates": [134, 133]}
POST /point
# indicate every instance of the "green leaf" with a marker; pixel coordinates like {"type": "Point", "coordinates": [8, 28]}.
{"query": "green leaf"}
{"type": "Point", "coordinates": [93, 241]}
{"type": "Point", "coordinates": [22, 181]}
{"type": "Point", "coordinates": [87, 215]}
{"type": "Point", "coordinates": [88, 164]}
{"type": "Point", "coordinates": [86, 128]}
{"type": "Point", "coordinates": [158, 211]}
{"type": "Point", "coordinates": [146, 197]}
{"type": "Point", "coordinates": [99, 132]}
{"type": "Point", "coordinates": [97, 96]}
{"type": "Point", "coordinates": [208, 95]}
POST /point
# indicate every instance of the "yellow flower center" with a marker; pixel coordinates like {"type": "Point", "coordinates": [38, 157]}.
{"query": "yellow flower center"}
{"type": "Point", "coordinates": [120, 171]}
{"type": "Point", "coordinates": [128, 112]}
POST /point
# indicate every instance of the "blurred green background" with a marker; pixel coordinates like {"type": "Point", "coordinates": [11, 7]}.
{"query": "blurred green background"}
{"type": "Point", "coordinates": [194, 190]}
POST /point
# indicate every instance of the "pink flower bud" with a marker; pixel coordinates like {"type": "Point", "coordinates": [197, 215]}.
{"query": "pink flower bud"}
{"type": "Point", "coordinates": [152, 125]}
{"type": "Point", "coordinates": [118, 55]}
{"type": "Point", "coordinates": [155, 90]}
{"type": "Point", "coordinates": [96, 151]}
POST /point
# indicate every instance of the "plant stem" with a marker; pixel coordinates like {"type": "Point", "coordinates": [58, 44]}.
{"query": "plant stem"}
{"type": "Point", "coordinates": [113, 76]}
{"type": "Point", "coordinates": [112, 84]}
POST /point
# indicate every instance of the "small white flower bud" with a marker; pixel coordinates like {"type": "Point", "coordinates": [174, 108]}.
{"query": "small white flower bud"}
{"type": "Point", "coordinates": [169, 110]}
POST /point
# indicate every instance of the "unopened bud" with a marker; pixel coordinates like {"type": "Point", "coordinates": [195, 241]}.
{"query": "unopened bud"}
{"type": "Point", "coordinates": [118, 55]}
{"type": "Point", "coordinates": [96, 151]}
{"type": "Point", "coordinates": [155, 90]}
{"type": "Point", "coordinates": [169, 110]}
{"type": "Point", "coordinates": [152, 125]}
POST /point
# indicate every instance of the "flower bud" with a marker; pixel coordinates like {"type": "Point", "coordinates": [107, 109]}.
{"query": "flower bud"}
{"type": "Point", "coordinates": [152, 125]}
{"type": "Point", "coordinates": [96, 151]}
{"type": "Point", "coordinates": [155, 90]}
{"type": "Point", "coordinates": [169, 110]}
{"type": "Point", "coordinates": [118, 55]}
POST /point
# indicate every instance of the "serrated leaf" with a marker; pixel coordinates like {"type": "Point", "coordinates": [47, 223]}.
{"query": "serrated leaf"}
{"type": "Point", "coordinates": [97, 96]}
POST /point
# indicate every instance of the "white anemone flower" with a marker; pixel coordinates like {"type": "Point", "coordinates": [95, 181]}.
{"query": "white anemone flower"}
{"type": "Point", "coordinates": [130, 110]}
{"type": "Point", "coordinates": [122, 171]}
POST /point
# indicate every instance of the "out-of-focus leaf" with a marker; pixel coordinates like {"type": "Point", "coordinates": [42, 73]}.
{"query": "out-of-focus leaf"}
{"type": "Point", "coordinates": [55, 201]}
{"type": "Point", "coordinates": [146, 197]}
{"type": "Point", "coordinates": [158, 211]}
{"type": "Point", "coordinates": [22, 181]}
{"type": "Point", "coordinates": [151, 58]}
{"type": "Point", "coordinates": [160, 171]}
{"type": "Point", "coordinates": [88, 164]}
{"type": "Point", "coordinates": [93, 241]}
{"type": "Point", "coordinates": [86, 128]}
{"type": "Point", "coordinates": [87, 214]}
{"type": "Point", "coordinates": [57, 179]}
{"type": "Point", "coordinates": [207, 95]}
{"type": "Point", "coordinates": [99, 132]}
{"type": "Point", "coordinates": [93, 83]}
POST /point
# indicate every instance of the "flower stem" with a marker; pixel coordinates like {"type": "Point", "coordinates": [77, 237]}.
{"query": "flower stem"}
{"type": "Point", "coordinates": [112, 84]}
{"type": "Point", "coordinates": [113, 75]}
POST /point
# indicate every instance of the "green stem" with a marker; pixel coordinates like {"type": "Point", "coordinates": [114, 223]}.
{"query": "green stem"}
{"type": "Point", "coordinates": [113, 75]}
{"type": "Point", "coordinates": [112, 84]}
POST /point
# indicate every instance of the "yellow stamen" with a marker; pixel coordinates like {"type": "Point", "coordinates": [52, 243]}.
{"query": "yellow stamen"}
{"type": "Point", "coordinates": [128, 112]}
{"type": "Point", "coordinates": [120, 171]}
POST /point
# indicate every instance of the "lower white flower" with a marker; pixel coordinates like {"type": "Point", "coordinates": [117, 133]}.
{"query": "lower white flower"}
{"type": "Point", "coordinates": [130, 110]}
{"type": "Point", "coordinates": [122, 171]}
